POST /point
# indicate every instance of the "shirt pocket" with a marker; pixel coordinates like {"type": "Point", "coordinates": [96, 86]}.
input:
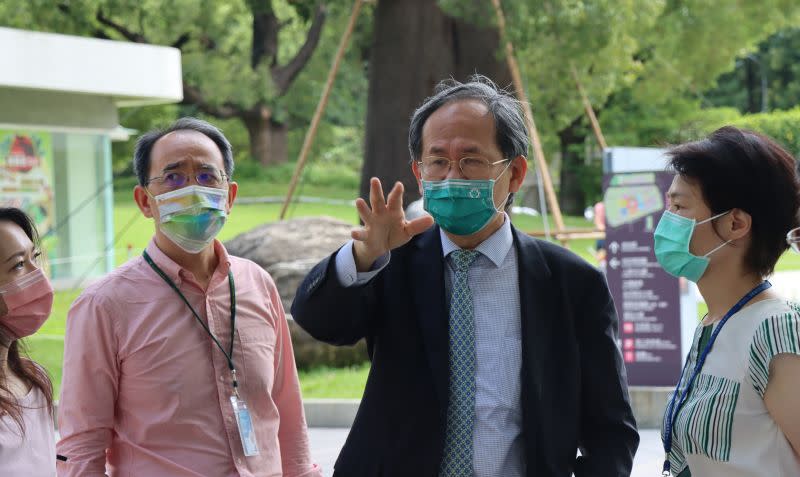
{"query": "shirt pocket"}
{"type": "Point", "coordinates": [705, 422]}
{"type": "Point", "coordinates": [257, 357]}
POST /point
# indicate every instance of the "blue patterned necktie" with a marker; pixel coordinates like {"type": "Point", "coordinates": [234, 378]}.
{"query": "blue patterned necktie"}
{"type": "Point", "coordinates": [457, 461]}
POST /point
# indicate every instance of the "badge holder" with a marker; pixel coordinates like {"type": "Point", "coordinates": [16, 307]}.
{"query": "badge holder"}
{"type": "Point", "coordinates": [245, 424]}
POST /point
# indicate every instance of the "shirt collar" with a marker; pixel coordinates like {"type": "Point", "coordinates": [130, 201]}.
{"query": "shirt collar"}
{"type": "Point", "coordinates": [175, 272]}
{"type": "Point", "coordinates": [495, 247]}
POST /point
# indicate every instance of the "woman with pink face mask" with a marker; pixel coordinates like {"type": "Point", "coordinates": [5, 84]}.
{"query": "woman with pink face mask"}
{"type": "Point", "coordinates": [27, 443]}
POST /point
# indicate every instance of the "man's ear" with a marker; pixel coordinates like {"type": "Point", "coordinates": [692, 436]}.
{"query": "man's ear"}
{"type": "Point", "coordinates": [417, 175]}
{"type": "Point", "coordinates": [519, 167]}
{"type": "Point", "coordinates": [144, 201]}
{"type": "Point", "coordinates": [233, 189]}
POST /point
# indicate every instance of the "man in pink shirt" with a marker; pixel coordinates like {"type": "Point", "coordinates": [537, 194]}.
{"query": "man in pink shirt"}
{"type": "Point", "coordinates": [180, 363]}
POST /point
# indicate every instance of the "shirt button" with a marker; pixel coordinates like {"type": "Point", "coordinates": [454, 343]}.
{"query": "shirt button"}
{"type": "Point", "coordinates": [221, 378]}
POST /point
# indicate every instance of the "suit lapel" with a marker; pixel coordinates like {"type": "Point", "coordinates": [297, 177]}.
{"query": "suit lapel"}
{"type": "Point", "coordinates": [427, 269]}
{"type": "Point", "coordinates": [537, 309]}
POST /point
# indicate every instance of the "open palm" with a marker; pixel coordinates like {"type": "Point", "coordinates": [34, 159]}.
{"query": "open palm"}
{"type": "Point", "coordinates": [385, 225]}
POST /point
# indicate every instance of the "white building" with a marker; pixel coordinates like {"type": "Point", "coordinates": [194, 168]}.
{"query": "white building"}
{"type": "Point", "coordinates": [59, 96]}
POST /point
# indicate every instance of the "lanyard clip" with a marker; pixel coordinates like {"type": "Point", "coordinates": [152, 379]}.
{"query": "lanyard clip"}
{"type": "Point", "coordinates": [235, 383]}
{"type": "Point", "coordinates": [666, 472]}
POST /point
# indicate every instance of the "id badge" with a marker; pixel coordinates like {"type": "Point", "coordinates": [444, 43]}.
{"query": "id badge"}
{"type": "Point", "coordinates": [245, 424]}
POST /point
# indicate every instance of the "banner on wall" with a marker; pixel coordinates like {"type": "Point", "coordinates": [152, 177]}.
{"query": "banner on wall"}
{"type": "Point", "coordinates": [26, 175]}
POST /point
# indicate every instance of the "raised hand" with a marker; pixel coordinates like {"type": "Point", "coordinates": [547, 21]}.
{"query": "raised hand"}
{"type": "Point", "coordinates": [385, 225]}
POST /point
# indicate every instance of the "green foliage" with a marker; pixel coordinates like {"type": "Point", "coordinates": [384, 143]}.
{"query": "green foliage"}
{"type": "Point", "coordinates": [681, 120]}
{"type": "Point", "coordinates": [637, 59]}
{"type": "Point", "coordinates": [783, 126]}
{"type": "Point", "coordinates": [778, 60]}
{"type": "Point", "coordinates": [694, 41]}
{"type": "Point", "coordinates": [216, 42]}
{"type": "Point", "coordinates": [599, 37]}
{"type": "Point", "coordinates": [700, 41]}
{"type": "Point", "coordinates": [216, 60]}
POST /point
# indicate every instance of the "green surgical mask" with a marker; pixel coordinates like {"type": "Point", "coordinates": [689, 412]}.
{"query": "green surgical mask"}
{"type": "Point", "coordinates": [461, 206]}
{"type": "Point", "coordinates": [672, 237]}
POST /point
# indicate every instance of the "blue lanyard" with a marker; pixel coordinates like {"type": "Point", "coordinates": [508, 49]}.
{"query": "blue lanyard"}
{"type": "Point", "coordinates": [672, 416]}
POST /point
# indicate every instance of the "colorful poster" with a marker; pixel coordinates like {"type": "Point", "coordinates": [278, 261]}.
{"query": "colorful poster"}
{"type": "Point", "coordinates": [26, 175]}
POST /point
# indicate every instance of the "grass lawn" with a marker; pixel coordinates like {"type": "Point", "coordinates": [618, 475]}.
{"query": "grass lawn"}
{"type": "Point", "coordinates": [47, 346]}
{"type": "Point", "coordinates": [334, 382]}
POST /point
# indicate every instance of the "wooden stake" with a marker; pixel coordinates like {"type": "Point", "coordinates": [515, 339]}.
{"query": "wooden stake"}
{"type": "Point", "coordinates": [323, 102]}
{"type": "Point", "coordinates": [538, 152]}
{"type": "Point", "coordinates": [587, 105]}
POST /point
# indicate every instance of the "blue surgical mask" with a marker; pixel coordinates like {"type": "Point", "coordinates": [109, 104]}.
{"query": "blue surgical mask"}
{"type": "Point", "coordinates": [672, 237]}
{"type": "Point", "coordinates": [461, 206]}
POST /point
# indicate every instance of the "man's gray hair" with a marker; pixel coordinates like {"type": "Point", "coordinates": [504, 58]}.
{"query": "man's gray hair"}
{"type": "Point", "coordinates": [512, 135]}
{"type": "Point", "coordinates": [144, 146]}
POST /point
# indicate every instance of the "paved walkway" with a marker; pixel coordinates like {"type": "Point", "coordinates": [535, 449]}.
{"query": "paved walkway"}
{"type": "Point", "coordinates": [325, 445]}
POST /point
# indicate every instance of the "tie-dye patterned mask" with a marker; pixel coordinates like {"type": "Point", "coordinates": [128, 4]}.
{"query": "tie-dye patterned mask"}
{"type": "Point", "coordinates": [191, 217]}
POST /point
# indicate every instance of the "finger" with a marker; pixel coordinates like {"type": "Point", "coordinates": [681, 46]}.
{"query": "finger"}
{"type": "Point", "coordinates": [418, 225]}
{"type": "Point", "coordinates": [363, 210]}
{"type": "Point", "coordinates": [359, 234]}
{"type": "Point", "coordinates": [376, 195]}
{"type": "Point", "coordinates": [395, 199]}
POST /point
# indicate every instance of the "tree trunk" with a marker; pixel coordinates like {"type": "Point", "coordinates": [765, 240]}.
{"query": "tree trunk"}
{"type": "Point", "coordinates": [750, 78]}
{"type": "Point", "coordinates": [572, 197]}
{"type": "Point", "coordinates": [415, 46]}
{"type": "Point", "coordinates": [268, 140]}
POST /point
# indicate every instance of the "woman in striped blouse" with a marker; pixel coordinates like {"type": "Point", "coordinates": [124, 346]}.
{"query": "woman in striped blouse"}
{"type": "Point", "coordinates": [735, 411]}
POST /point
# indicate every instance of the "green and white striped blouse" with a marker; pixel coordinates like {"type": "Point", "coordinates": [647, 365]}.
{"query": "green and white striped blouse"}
{"type": "Point", "coordinates": [724, 428]}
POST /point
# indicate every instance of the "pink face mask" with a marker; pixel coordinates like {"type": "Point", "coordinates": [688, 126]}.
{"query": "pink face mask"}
{"type": "Point", "coordinates": [29, 300]}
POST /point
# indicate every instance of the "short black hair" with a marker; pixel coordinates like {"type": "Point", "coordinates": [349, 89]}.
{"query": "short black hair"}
{"type": "Point", "coordinates": [741, 169]}
{"type": "Point", "coordinates": [141, 154]}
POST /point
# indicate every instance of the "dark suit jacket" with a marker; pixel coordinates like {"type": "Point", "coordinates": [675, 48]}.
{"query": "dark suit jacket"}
{"type": "Point", "coordinates": [574, 389]}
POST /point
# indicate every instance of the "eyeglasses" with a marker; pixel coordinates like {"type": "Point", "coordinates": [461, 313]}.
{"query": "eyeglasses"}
{"type": "Point", "coordinates": [793, 239]}
{"type": "Point", "coordinates": [176, 179]}
{"type": "Point", "coordinates": [437, 168]}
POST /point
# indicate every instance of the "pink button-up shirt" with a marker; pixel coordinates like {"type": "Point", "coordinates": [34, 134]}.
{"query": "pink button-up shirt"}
{"type": "Point", "coordinates": [146, 392]}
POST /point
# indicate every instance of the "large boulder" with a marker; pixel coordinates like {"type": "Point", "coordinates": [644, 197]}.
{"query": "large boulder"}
{"type": "Point", "coordinates": [288, 250]}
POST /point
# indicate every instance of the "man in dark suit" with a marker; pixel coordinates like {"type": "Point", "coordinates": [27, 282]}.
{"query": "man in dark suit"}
{"type": "Point", "coordinates": [493, 354]}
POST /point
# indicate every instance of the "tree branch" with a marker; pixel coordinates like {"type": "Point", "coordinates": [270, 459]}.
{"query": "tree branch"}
{"type": "Point", "coordinates": [193, 96]}
{"type": "Point", "coordinates": [284, 76]}
{"type": "Point", "coordinates": [182, 40]}
{"type": "Point", "coordinates": [127, 34]}
{"type": "Point", "coordinates": [265, 38]}
{"type": "Point", "coordinates": [65, 9]}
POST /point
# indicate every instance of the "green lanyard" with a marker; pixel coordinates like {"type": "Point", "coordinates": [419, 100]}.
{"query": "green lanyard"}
{"type": "Point", "coordinates": [228, 355]}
